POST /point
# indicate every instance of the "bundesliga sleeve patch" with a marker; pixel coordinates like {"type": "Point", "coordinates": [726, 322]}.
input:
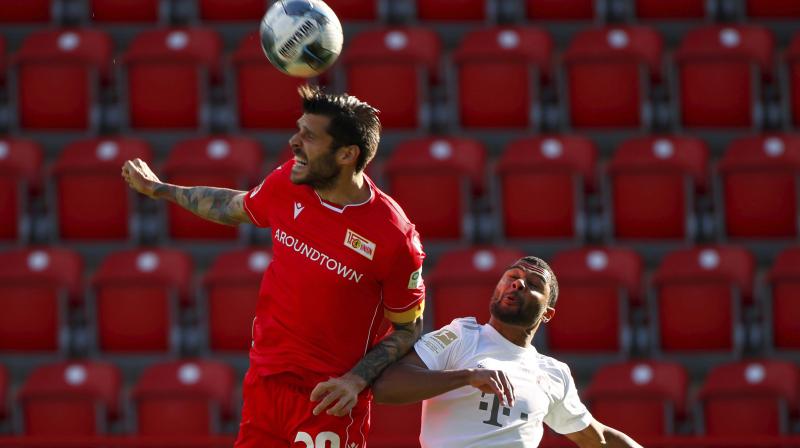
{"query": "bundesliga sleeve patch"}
{"type": "Point", "coordinates": [415, 280]}
{"type": "Point", "coordinates": [437, 342]}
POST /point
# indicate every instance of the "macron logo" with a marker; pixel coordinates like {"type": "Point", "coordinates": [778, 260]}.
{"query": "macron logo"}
{"type": "Point", "coordinates": [298, 207]}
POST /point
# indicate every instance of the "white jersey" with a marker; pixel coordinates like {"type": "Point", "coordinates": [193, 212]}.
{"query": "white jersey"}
{"type": "Point", "coordinates": [466, 417]}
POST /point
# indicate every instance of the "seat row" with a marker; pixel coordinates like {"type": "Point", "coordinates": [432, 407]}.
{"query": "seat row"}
{"type": "Point", "coordinates": [721, 76]}
{"type": "Point", "coordinates": [151, 11]}
{"type": "Point", "coordinates": [698, 301]}
{"type": "Point", "coordinates": [653, 188]}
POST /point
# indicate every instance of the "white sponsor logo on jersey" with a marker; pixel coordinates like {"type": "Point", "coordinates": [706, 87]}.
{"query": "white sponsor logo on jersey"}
{"type": "Point", "coordinates": [298, 207]}
{"type": "Point", "coordinates": [359, 244]}
{"type": "Point", "coordinates": [316, 256]}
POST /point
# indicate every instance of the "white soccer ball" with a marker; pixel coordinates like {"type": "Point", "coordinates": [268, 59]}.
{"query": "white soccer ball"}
{"type": "Point", "coordinates": [301, 37]}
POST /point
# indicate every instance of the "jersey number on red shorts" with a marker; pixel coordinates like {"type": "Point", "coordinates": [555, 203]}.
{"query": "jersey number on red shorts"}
{"type": "Point", "coordinates": [320, 442]}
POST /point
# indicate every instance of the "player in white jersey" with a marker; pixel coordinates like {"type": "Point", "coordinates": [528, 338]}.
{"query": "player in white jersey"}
{"type": "Point", "coordinates": [486, 385]}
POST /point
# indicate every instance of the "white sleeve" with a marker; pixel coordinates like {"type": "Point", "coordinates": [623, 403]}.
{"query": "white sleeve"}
{"type": "Point", "coordinates": [568, 414]}
{"type": "Point", "coordinates": [441, 349]}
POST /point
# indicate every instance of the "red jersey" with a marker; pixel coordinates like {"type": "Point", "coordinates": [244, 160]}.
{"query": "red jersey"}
{"type": "Point", "coordinates": [336, 272]}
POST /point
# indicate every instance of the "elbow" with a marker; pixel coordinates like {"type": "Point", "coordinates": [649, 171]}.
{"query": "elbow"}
{"type": "Point", "coordinates": [382, 394]}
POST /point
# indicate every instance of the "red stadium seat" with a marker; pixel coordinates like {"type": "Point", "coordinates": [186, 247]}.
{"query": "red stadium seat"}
{"type": "Point", "coordinates": [59, 73]}
{"type": "Point", "coordinates": [137, 297]}
{"type": "Point", "coordinates": [792, 97]}
{"type": "Point", "coordinates": [760, 187]}
{"type": "Point", "coordinates": [392, 69]}
{"type": "Point", "coordinates": [720, 71]}
{"type": "Point", "coordinates": [29, 11]}
{"type": "Point", "coordinates": [20, 179]}
{"type": "Point", "coordinates": [90, 201]}
{"type": "Point", "coordinates": [168, 73]}
{"type": "Point", "coordinates": [265, 97]}
{"type": "Point", "coordinates": [356, 9]}
{"type": "Point", "coordinates": [653, 182]}
{"type": "Point", "coordinates": [549, 10]}
{"type": "Point", "coordinates": [221, 161]}
{"type": "Point", "coordinates": [229, 11]}
{"type": "Point", "coordinates": [452, 10]}
{"type": "Point", "coordinates": [557, 170]}
{"type": "Point", "coordinates": [773, 9]}
{"type": "Point", "coordinates": [435, 180]}
{"type": "Point", "coordinates": [463, 281]}
{"type": "Point", "coordinates": [749, 398]}
{"type": "Point", "coordinates": [597, 287]}
{"type": "Point", "coordinates": [231, 288]}
{"type": "Point", "coordinates": [600, 60]}
{"type": "Point", "coordinates": [784, 281]}
{"type": "Point", "coordinates": [123, 11]}
{"type": "Point", "coordinates": [395, 426]}
{"type": "Point", "coordinates": [700, 294]}
{"type": "Point", "coordinates": [513, 60]}
{"type": "Point", "coordinates": [646, 398]}
{"type": "Point", "coordinates": [37, 288]}
{"type": "Point", "coordinates": [183, 398]}
{"type": "Point", "coordinates": [671, 10]}
{"type": "Point", "coordinates": [71, 399]}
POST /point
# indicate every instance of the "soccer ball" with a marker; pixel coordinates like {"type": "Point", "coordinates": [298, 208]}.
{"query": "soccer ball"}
{"type": "Point", "coordinates": [301, 37]}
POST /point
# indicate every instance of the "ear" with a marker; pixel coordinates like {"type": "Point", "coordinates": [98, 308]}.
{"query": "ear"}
{"type": "Point", "coordinates": [549, 314]}
{"type": "Point", "coordinates": [348, 155]}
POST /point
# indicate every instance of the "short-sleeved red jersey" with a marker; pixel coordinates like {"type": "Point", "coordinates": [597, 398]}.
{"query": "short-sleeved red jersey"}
{"type": "Point", "coordinates": [336, 273]}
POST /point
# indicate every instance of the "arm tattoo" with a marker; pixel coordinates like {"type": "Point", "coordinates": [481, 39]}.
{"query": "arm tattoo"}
{"type": "Point", "coordinates": [219, 205]}
{"type": "Point", "coordinates": [388, 350]}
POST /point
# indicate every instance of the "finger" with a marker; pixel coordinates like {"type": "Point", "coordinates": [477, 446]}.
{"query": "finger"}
{"type": "Point", "coordinates": [342, 407]}
{"type": "Point", "coordinates": [508, 387]}
{"type": "Point", "coordinates": [319, 390]}
{"type": "Point", "coordinates": [497, 389]}
{"type": "Point", "coordinates": [326, 402]}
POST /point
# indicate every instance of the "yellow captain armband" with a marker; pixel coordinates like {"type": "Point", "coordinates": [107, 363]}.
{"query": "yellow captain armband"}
{"type": "Point", "coordinates": [404, 317]}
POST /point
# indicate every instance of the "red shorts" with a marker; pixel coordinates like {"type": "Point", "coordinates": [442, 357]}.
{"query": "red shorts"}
{"type": "Point", "coordinates": [277, 414]}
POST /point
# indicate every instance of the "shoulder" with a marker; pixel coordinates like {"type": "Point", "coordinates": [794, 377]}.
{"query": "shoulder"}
{"type": "Point", "coordinates": [390, 211]}
{"type": "Point", "coordinates": [463, 331]}
{"type": "Point", "coordinates": [558, 373]}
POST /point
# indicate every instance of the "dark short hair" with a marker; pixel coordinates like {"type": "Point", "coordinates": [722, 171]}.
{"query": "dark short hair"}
{"type": "Point", "coordinates": [536, 261]}
{"type": "Point", "coordinates": [353, 122]}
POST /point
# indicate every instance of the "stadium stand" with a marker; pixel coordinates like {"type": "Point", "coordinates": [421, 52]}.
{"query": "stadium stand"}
{"type": "Point", "coordinates": [38, 286]}
{"type": "Point", "coordinates": [71, 398]}
{"type": "Point", "coordinates": [560, 9]}
{"type": "Point", "coordinates": [34, 11]}
{"type": "Point", "coordinates": [124, 11]}
{"type": "Point", "coordinates": [772, 9]}
{"type": "Point", "coordinates": [4, 382]}
{"type": "Point", "coordinates": [226, 11]}
{"type": "Point", "coordinates": [20, 179]}
{"type": "Point", "coordinates": [791, 94]}
{"type": "Point", "coordinates": [453, 10]}
{"type": "Point", "coordinates": [783, 332]}
{"type": "Point", "coordinates": [673, 10]}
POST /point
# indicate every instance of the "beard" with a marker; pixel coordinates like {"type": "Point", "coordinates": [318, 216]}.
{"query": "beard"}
{"type": "Point", "coordinates": [524, 315]}
{"type": "Point", "coordinates": [321, 173]}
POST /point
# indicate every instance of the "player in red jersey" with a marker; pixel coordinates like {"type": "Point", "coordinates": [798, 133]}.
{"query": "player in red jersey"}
{"type": "Point", "coordinates": [345, 256]}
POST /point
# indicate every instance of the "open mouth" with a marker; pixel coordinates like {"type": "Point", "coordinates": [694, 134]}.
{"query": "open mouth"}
{"type": "Point", "coordinates": [300, 162]}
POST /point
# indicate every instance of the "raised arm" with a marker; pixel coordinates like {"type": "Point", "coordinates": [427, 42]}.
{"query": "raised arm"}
{"type": "Point", "coordinates": [220, 205]}
{"type": "Point", "coordinates": [597, 435]}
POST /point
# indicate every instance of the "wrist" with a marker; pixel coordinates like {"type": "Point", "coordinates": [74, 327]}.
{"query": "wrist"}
{"type": "Point", "coordinates": [357, 380]}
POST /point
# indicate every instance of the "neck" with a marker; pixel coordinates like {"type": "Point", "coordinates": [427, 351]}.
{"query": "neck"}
{"type": "Point", "coordinates": [346, 190]}
{"type": "Point", "coordinates": [521, 336]}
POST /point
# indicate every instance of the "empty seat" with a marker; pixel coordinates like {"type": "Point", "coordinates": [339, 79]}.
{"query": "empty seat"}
{"type": "Point", "coordinates": [647, 398]}
{"type": "Point", "coordinates": [228, 11]}
{"type": "Point", "coordinates": [720, 70]}
{"type": "Point", "coordinates": [395, 426]}
{"type": "Point", "coordinates": [392, 69]}
{"type": "Point", "coordinates": [37, 288]}
{"type": "Point", "coordinates": [784, 280]}
{"type": "Point", "coordinates": [699, 296]}
{"type": "Point", "coordinates": [463, 281]}
{"type": "Point", "coordinates": [453, 10]}
{"type": "Point", "coordinates": [137, 298]}
{"type": "Point", "coordinates": [557, 170]}
{"type": "Point", "coordinates": [672, 10]}
{"type": "Point", "coordinates": [167, 77]}
{"type": "Point", "coordinates": [600, 60]}
{"type": "Point", "coordinates": [20, 179]}
{"type": "Point", "coordinates": [231, 289]}
{"type": "Point", "coordinates": [597, 287]}
{"type": "Point", "coordinates": [124, 11]}
{"type": "Point", "coordinates": [652, 186]}
{"type": "Point", "coordinates": [772, 9]}
{"type": "Point", "coordinates": [435, 180]}
{"type": "Point", "coordinates": [59, 74]}
{"type": "Point", "coordinates": [369, 10]}
{"type": "Point", "coordinates": [759, 187]}
{"type": "Point", "coordinates": [183, 398]}
{"type": "Point", "coordinates": [266, 98]}
{"type": "Point", "coordinates": [513, 61]}
{"type": "Point", "coordinates": [29, 11]}
{"type": "Point", "coordinates": [220, 161]}
{"type": "Point", "coordinates": [792, 96]}
{"type": "Point", "coordinates": [73, 398]}
{"type": "Point", "coordinates": [560, 9]}
{"type": "Point", "coordinates": [91, 202]}
{"type": "Point", "coordinates": [749, 398]}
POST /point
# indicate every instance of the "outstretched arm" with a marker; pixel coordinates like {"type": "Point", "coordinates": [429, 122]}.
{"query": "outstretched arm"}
{"type": "Point", "coordinates": [345, 389]}
{"type": "Point", "coordinates": [220, 205]}
{"type": "Point", "coordinates": [597, 435]}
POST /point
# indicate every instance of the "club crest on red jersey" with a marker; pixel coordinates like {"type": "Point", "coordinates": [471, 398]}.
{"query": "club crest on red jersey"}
{"type": "Point", "coordinates": [359, 244]}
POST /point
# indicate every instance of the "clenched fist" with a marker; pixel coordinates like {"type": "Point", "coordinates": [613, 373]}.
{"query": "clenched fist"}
{"type": "Point", "coordinates": [140, 177]}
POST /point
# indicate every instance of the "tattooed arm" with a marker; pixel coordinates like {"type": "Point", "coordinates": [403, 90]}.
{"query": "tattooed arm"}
{"type": "Point", "coordinates": [346, 388]}
{"type": "Point", "coordinates": [219, 205]}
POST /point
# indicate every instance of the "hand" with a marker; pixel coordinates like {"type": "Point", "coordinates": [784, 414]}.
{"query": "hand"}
{"type": "Point", "coordinates": [345, 389]}
{"type": "Point", "coordinates": [493, 382]}
{"type": "Point", "coordinates": [140, 177]}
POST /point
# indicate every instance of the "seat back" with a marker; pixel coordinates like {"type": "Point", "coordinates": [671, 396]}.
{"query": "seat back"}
{"type": "Point", "coordinates": [124, 11]}
{"type": "Point", "coordinates": [676, 9]}
{"type": "Point", "coordinates": [784, 280]}
{"type": "Point", "coordinates": [20, 178]}
{"type": "Point", "coordinates": [570, 10]}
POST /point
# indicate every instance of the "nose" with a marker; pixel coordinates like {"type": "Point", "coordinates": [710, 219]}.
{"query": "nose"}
{"type": "Point", "coordinates": [294, 140]}
{"type": "Point", "coordinates": [518, 284]}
